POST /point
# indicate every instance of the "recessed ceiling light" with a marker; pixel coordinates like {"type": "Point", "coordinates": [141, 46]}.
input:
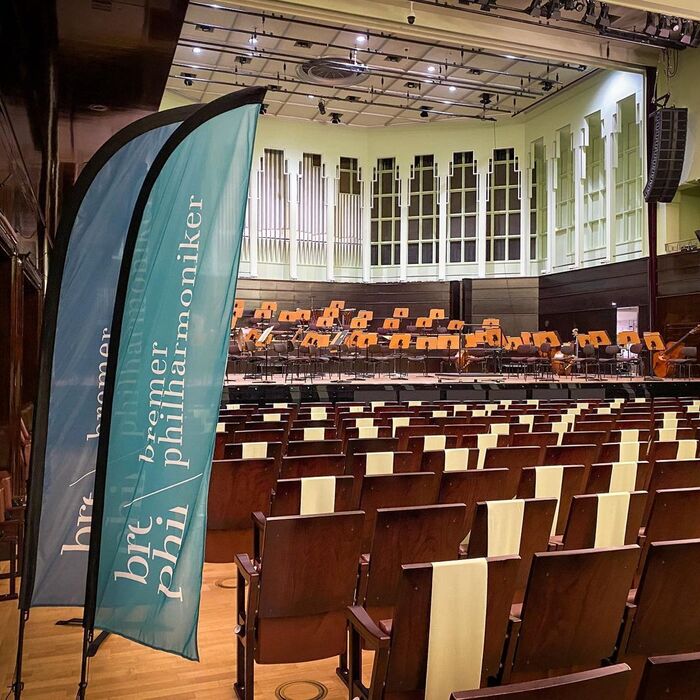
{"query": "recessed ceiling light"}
{"type": "Point", "coordinates": [196, 50]}
{"type": "Point", "coordinates": [431, 69]}
{"type": "Point", "coordinates": [253, 40]}
{"type": "Point", "coordinates": [511, 57]}
{"type": "Point", "coordinates": [360, 38]}
{"type": "Point", "coordinates": [452, 88]}
{"type": "Point", "coordinates": [98, 108]}
{"type": "Point", "coordinates": [311, 97]}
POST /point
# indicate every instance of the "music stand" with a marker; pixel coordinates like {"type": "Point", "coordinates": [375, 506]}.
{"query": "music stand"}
{"type": "Point", "coordinates": [337, 342]}
{"type": "Point", "coordinates": [599, 338]}
{"type": "Point", "coordinates": [583, 339]}
{"type": "Point", "coordinates": [400, 312]}
{"type": "Point", "coordinates": [625, 338]}
{"type": "Point", "coordinates": [513, 342]}
{"type": "Point", "coordinates": [400, 342]}
{"type": "Point", "coordinates": [527, 338]}
{"type": "Point", "coordinates": [264, 340]}
{"type": "Point", "coordinates": [653, 341]}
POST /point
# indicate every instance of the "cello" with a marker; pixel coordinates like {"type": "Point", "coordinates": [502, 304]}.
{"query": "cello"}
{"type": "Point", "coordinates": [660, 360]}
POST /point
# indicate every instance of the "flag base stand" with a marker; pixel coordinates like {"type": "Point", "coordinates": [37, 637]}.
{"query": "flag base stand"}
{"type": "Point", "coordinates": [95, 644]}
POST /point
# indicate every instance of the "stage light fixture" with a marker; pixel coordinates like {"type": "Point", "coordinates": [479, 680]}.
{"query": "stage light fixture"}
{"type": "Point", "coordinates": [552, 10]}
{"type": "Point", "coordinates": [196, 50]}
{"type": "Point", "coordinates": [485, 98]}
{"type": "Point", "coordinates": [652, 25]}
{"type": "Point", "coordinates": [360, 38]}
{"type": "Point", "coordinates": [535, 9]}
{"type": "Point", "coordinates": [263, 108]}
{"type": "Point", "coordinates": [425, 112]}
{"type": "Point", "coordinates": [336, 117]}
{"type": "Point", "coordinates": [664, 27]}
{"type": "Point", "coordinates": [604, 17]}
{"type": "Point", "coordinates": [253, 39]}
{"type": "Point", "coordinates": [589, 16]}
{"type": "Point", "coordinates": [452, 88]}
{"type": "Point", "coordinates": [547, 85]}
{"type": "Point", "coordinates": [688, 32]}
{"type": "Point", "coordinates": [486, 5]}
{"type": "Point", "coordinates": [321, 107]}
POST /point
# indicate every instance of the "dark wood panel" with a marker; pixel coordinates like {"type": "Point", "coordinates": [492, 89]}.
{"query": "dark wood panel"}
{"type": "Point", "coordinates": [679, 273]}
{"type": "Point", "coordinates": [515, 301]}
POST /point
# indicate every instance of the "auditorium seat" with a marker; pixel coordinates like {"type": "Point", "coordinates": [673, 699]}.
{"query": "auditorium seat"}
{"type": "Point", "coordinates": [300, 448]}
{"type": "Point", "coordinates": [672, 474]}
{"type": "Point", "coordinates": [598, 684]}
{"type": "Point", "coordinates": [547, 638]}
{"type": "Point", "coordinates": [404, 662]}
{"type": "Point", "coordinates": [302, 466]}
{"type": "Point", "coordinates": [604, 520]}
{"type": "Point", "coordinates": [254, 450]}
{"type": "Point", "coordinates": [507, 528]}
{"type": "Point", "coordinates": [291, 604]}
{"type": "Point", "coordinates": [618, 476]}
{"type": "Point", "coordinates": [671, 677]}
{"type": "Point", "coordinates": [237, 487]}
{"type": "Point", "coordinates": [406, 536]}
{"type": "Point", "coordinates": [293, 497]}
{"type": "Point", "coordinates": [664, 617]}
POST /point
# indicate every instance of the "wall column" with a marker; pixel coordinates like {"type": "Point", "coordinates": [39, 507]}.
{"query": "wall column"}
{"type": "Point", "coordinates": [482, 184]}
{"type": "Point", "coordinates": [331, 186]}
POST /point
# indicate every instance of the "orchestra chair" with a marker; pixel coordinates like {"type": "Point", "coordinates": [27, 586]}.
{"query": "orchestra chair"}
{"type": "Point", "coordinates": [449, 345]}
{"type": "Point", "coordinates": [546, 639]}
{"type": "Point", "coordinates": [573, 454]}
{"type": "Point", "coordinates": [394, 491]}
{"type": "Point", "coordinates": [356, 446]}
{"type": "Point", "coordinates": [337, 304]}
{"type": "Point", "coordinates": [410, 437]}
{"type": "Point", "coordinates": [291, 602]}
{"type": "Point", "coordinates": [436, 314]}
{"type": "Point", "coordinates": [663, 617]}
{"type": "Point", "coordinates": [597, 684]}
{"type": "Point", "coordinates": [264, 435]}
{"type": "Point", "coordinates": [674, 515]}
{"type": "Point", "coordinates": [671, 474]}
{"type": "Point", "coordinates": [400, 312]}
{"type": "Point", "coordinates": [603, 520]}
{"type": "Point", "coordinates": [537, 439]}
{"type": "Point", "coordinates": [560, 482]}
{"type": "Point", "coordinates": [304, 466]}
{"type": "Point", "coordinates": [473, 486]}
{"type": "Point", "coordinates": [676, 677]}
{"type": "Point", "coordinates": [399, 344]}
{"type": "Point", "coordinates": [424, 345]}
{"type": "Point", "coordinates": [618, 476]}
{"type": "Point", "coordinates": [303, 497]}
{"type": "Point", "coordinates": [237, 487]}
{"type": "Point", "coordinates": [509, 528]}
{"type": "Point", "coordinates": [674, 449]}
{"type": "Point", "coordinates": [406, 536]}
{"type": "Point", "coordinates": [450, 459]}
{"type": "Point", "coordinates": [401, 668]}
{"type": "Point", "coordinates": [366, 432]}
{"type": "Point", "coordinates": [299, 448]}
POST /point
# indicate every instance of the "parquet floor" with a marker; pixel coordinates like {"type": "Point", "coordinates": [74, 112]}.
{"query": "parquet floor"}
{"type": "Point", "coordinates": [123, 669]}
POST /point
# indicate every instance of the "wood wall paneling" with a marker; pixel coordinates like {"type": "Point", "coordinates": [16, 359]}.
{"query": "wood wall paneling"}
{"type": "Point", "coordinates": [512, 300]}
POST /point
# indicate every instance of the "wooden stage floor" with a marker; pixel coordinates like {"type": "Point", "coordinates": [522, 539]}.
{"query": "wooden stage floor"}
{"type": "Point", "coordinates": [124, 669]}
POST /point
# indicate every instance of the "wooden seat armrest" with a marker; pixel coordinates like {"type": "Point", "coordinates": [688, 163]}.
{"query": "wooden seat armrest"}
{"type": "Point", "coordinates": [625, 630]}
{"type": "Point", "coordinates": [362, 575]}
{"type": "Point", "coordinates": [511, 643]}
{"type": "Point", "coordinates": [245, 567]}
{"type": "Point", "coordinates": [259, 521]}
{"type": "Point", "coordinates": [363, 624]}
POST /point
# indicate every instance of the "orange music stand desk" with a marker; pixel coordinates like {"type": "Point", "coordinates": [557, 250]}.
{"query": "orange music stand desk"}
{"type": "Point", "coordinates": [448, 342]}
{"type": "Point", "coordinates": [550, 337]}
{"type": "Point", "coordinates": [325, 322]}
{"type": "Point", "coordinates": [599, 338]}
{"type": "Point", "coordinates": [400, 312]}
{"type": "Point", "coordinates": [455, 325]}
{"type": "Point", "coordinates": [391, 324]}
{"type": "Point", "coordinates": [253, 334]}
{"type": "Point", "coordinates": [337, 304]}
{"type": "Point", "coordinates": [427, 342]}
{"type": "Point", "coordinates": [437, 314]}
{"type": "Point", "coordinates": [234, 322]}
{"type": "Point", "coordinates": [628, 338]}
{"type": "Point", "coordinates": [424, 322]}
{"type": "Point", "coordinates": [513, 342]}
{"type": "Point", "coordinates": [304, 314]}
{"type": "Point", "coordinates": [262, 314]}
{"type": "Point", "coordinates": [490, 322]}
{"type": "Point", "coordinates": [653, 341]}
{"type": "Point", "coordinates": [238, 308]}
{"type": "Point", "coordinates": [480, 337]}
{"type": "Point", "coordinates": [323, 340]}
{"type": "Point", "coordinates": [270, 305]}
{"type": "Point", "coordinates": [583, 339]}
{"type": "Point", "coordinates": [494, 337]}
{"type": "Point", "coordinates": [351, 340]}
{"type": "Point", "coordinates": [309, 339]}
{"type": "Point", "coordinates": [331, 312]}
{"type": "Point", "coordinates": [288, 316]}
{"type": "Point", "coordinates": [527, 338]}
{"type": "Point", "coordinates": [358, 322]}
{"type": "Point", "coordinates": [367, 315]}
{"type": "Point", "coordinates": [365, 340]}
{"type": "Point", "coordinates": [400, 341]}
{"type": "Point", "coordinates": [471, 340]}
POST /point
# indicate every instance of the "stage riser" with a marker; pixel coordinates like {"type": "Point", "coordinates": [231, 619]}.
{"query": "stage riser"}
{"type": "Point", "coordinates": [444, 391]}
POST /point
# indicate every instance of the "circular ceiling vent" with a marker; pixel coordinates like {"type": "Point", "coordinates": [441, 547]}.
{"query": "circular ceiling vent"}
{"type": "Point", "coordinates": [333, 72]}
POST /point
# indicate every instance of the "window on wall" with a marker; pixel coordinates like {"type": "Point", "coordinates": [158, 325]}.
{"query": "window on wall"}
{"type": "Point", "coordinates": [565, 199]}
{"type": "Point", "coordinates": [386, 215]}
{"type": "Point", "coordinates": [462, 208]}
{"type": "Point", "coordinates": [423, 213]}
{"type": "Point", "coordinates": [348, 238]}
{"type": "Point", "coordinates": [503, 207]}
{"type": "Point", "coordinates": [273, 219]}
{"type": "Point", "coordinates": [628, 175]}
{"type": "Point", "coordinates": [538, 203]}
{"type": "Point", "coordinates": [594, 188]}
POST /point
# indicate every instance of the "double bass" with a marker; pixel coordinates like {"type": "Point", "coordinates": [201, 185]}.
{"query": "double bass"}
{"type": "Point", "coordinates": [660, 360]}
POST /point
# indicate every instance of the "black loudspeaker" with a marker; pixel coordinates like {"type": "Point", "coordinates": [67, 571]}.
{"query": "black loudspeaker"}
{"type": "Point", "coordinates": [670, 133]}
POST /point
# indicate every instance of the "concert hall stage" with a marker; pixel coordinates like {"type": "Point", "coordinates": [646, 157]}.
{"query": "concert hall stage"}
{"type": "Point", "coordinates": [471, 387]}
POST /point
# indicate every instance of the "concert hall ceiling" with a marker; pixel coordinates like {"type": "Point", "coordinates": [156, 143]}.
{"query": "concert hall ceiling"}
{"type": "Point", "coordinates": [340, 64]}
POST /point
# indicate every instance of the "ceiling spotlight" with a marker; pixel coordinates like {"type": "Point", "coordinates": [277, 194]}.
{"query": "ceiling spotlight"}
{"type": "Point", "coordinates": [253, 39]}
{"type": "Point", "coordinates": [196, 50]}
{"type": "Point", "coordinates": [535, 9]}
{"type": "Point", "coordinates": [604, 17]}
{"type": "Point", "coordinates": [311, 97]}
{"type": "Point", "coordinates": [336, 117]}
{"type": "Point", "coordinates": [547, 85]}
{"type": "Point", "coordinates": [652, 26]}
{"type": "Point", "coordinates": [425, 112]}
{"type": "Point", "coordinates": [188, 82]}
{"type": "Point", "coordinates": [360, 38]}
{"type": "Point", "coordinates": [664, 28]}
{"type": "Point", "coordinates": [187, 78]}
{"type": "Point", "coordinates": [589, 15]}
{"type": "Point", "coordinates": [676, 25]}
{"type": "Point", "coordinates": [263, 108]}
{"type": "Point", "coordinates": [688, 32]}
{"type": "Point", "coordinates": [431, 69]}
{"type": "Point", "coordinates": [552, 9]}
{"type": "Point", "coordinates": [204, 28]}
{"type": "Point", "coordinates": [452, 88]}
{"type": "Point", "coordinates": [321, 107]}
{"type": "Point", "coordinates": [485, 98]}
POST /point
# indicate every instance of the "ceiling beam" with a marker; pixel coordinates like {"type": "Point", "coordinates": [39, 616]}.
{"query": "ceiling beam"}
{"type": "Point", "coordinates": [688, 9]}
{"type": "Point", "coordinates": [450, 25]}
